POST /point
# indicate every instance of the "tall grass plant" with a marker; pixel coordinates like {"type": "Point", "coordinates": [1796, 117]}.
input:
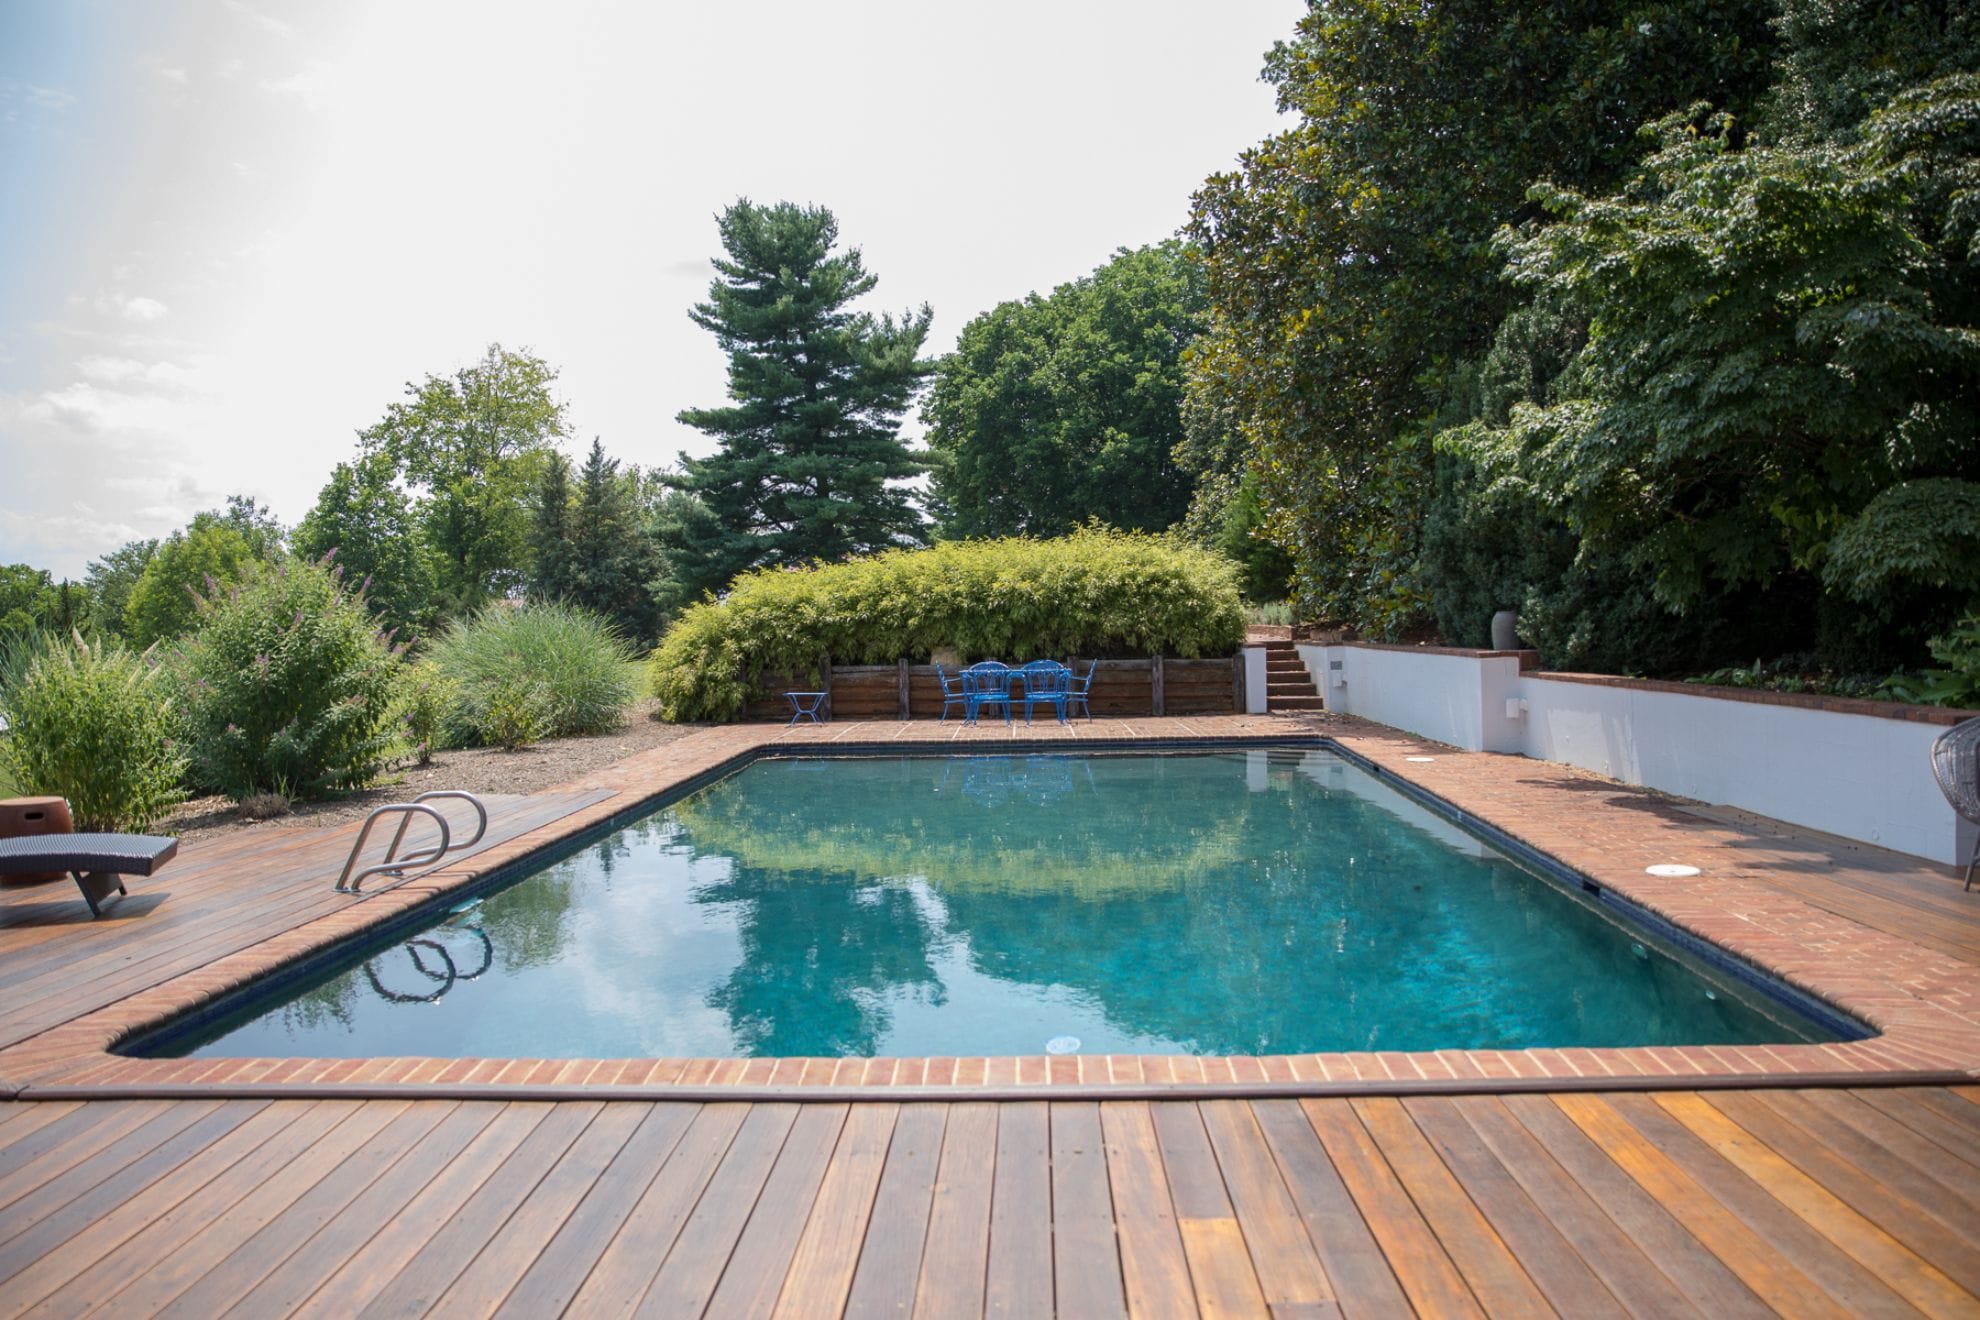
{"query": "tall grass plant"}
{"type": "Point", "coordinates": [520, 673]}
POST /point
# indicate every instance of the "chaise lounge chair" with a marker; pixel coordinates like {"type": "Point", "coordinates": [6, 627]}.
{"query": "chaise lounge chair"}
{"type": "Point", "coordinates": [96, 861]}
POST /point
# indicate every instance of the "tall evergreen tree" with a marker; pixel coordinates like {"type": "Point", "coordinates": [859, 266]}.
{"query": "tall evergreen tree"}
{"type": "Point", "coordinates": [811, 438]}
{"type": "Point", "coordinates": [596, 548]}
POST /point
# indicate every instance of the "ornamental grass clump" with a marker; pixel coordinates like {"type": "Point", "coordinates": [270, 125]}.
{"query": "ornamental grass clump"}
{"type": "Point", "coordinates": [521, 673]}
{"type": "Point", "coordinates": [95, 725]}
{"type": "Point", "coordinates": [1095, 592]}
{"type": "Point", "coordinates": [288, 686]}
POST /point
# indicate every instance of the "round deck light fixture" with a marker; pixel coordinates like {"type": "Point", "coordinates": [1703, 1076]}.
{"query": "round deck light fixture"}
{"type": "Point", "coordinates": [1670, 869]}
{"type": "Point", "coordinates": [1062, 1045]}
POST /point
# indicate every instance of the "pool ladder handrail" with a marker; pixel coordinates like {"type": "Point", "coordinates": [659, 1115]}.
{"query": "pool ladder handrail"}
{"type": "Point", "coordinates": [392, 863]}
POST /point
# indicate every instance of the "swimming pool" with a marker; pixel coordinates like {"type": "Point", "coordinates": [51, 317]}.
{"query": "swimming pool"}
{"type": "Point", "coordinates": [1257, 901]}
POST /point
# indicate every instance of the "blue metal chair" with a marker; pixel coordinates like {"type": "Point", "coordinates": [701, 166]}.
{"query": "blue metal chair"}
{"type": "Point", "coordinates": [1079, 689]}
{"type": "Point", "coordinates": [1045, 683]}
{"type": "Point", "coordinates": [955, 692]}
{"type": "Point", "coordinates": [986, 683]}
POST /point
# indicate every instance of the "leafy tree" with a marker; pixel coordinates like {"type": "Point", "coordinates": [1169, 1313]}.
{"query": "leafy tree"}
{"type": "Point", "coordinates": [369, 524]}
{"type": "Point", "coordinates": [595, 548]}
{"type": "Point", "coordinates": [474, 444]}
{"type": "Point", "coordinates": [1350, 259]}
{"type": "Point", "coordinates": [111, 579]}
{"type": "Point", "coordinates": [1781, 377]}
{"type": "Point", "coordinates": [211, 553]}
{"type": "Point", "coordinates": [1055, 410]}
{"type": "Point", "coordinates": [811, 439]}
{"type": "Point", "coordinates": [28, 598]}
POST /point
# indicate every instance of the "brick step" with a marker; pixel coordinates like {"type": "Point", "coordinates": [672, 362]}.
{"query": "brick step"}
{"type": "Point", "coordinates": [1295, 703]}
{"type": "Point", "coordinates": [1288, 681]}
{"type": "Point", "coordinates": [1284, 667]}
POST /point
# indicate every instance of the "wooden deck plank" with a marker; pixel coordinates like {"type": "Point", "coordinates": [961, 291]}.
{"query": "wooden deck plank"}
{"type": "Point", "coordinates": [1356, 1268]}
{"type": "Point", "coordinates": [86, 1165]}
{"type": "Point", "coordinates": [688, 1277]}
{"type": "Point", "coordinates": [1154, 1269]}
{"type": "Point", "coordinates": [482, 1285]}
{"type": "Point", "coordinates": [1845, 1109]}
{"type": "Point", "coordinates": [70, 1281]}
{"type": "Point", "coordinates": [756, 1267]}
{"type": "Point", "coordinates": [229, 1280]}
{"type": "Point", "coordinates": [1756, 1205]}
{"type": "Point", "coordinates": [1690, 1263]}
{"type": "Point", "coordinates": [1220, 1267]}
{"type": "Point", "coordinates": [376, 1260]}
{"type": "Point", "coordinates": [100, 1191]}
{"type": "Point", "coordinates": [1086, 1269]}
{"type": "Point", "coordinates": [1867, 1175]}
{"type": "Point", "coordinates": [1726, 1234]}
{"type": "Point", "coordinates": [889, 1267]}
{"type": "Point", "coordinates": [623, 1270]}
{"type": "Point", "coordinates": [1282, 1255]}
{"type": "Point", "coordinates": [449, 1251]}
{"type": "Point", "coordinates": [1901, 1269]}
{"type": "Point", "coordinates": [1632, 1278]}
{"type": "Point", "coordinates": [1550, 1260]}
{"type": "Point", "coordinates": [1018, 1274]}
{"type": "Point", "coordinates": [149, 1292]}
{"type": "Point", "coordinates": [54, 1150]}
{"type": "Point", "coordinates": [821, 1270]}
{"type": "Point", "coordinates": [298, 1278]}
{"type": "Point", "coordinates": [560, 1269]}
{"type": "Point", "coordinates": [1497, 1279]}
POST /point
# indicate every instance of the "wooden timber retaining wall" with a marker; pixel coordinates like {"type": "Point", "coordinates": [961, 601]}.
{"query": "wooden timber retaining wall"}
{"type": "Point", "coordinates": [904, 691]}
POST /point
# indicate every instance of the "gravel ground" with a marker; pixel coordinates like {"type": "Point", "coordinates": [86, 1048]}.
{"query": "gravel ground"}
{"type": "Point", "coordinates": [478, 770]}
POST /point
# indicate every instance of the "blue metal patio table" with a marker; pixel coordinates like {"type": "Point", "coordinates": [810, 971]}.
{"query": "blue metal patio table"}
{"type": "Point", "coordinates": [805, 704]}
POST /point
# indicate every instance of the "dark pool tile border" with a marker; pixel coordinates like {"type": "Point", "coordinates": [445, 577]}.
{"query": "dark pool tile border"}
{"type": "Point", "coordinates": [1919, 1041]}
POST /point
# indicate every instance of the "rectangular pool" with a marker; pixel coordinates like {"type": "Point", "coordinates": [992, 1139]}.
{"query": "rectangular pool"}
{"type": "Point", "coordinates": [1217, 902]}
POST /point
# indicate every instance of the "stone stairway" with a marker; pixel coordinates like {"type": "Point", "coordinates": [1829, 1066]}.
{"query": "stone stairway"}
{"type": "Point", "coordinates": [1287, 684]}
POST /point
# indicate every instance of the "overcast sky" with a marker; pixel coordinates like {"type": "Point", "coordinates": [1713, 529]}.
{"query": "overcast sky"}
{"type": "Point", "coordinates": [233, 231]}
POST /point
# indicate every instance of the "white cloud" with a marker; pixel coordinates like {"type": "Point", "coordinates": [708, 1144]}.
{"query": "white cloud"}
{"type": "Point", "coordinates": [266, 22]}
{"type": "Point", "coordinates": [141, 309]}
{"type": "Point", "coordinates": [311, 85]}
{"type": "Point", "coordinates": [41, 98]}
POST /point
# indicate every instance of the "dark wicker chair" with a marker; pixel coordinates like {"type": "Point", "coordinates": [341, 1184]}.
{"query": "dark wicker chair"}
{"type": "Point", "coordinates": [1956, 765]}
{"type": "Point", "coordinates": [97, 861]}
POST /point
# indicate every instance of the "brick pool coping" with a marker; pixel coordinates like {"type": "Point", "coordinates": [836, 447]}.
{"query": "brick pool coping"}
{"type": "Point", "coordinates": [1918, 999]}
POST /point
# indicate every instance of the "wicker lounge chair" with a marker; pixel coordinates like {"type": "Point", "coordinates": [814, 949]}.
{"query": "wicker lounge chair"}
{"type": "Point", "coordinates": [97, 861]}
{"type": "Point", "coordinates": [1956, 765]}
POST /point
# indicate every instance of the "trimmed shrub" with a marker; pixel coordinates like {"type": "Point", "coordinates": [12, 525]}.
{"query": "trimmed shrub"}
{"type": "Point", "coordinates": [1096, 592]}
{"type": "Point", "coordinates": [535, 671]}
{"type": "Point", "coordinates": [288, 686]}
{"type": "Point", "coordinates": [93, 725]}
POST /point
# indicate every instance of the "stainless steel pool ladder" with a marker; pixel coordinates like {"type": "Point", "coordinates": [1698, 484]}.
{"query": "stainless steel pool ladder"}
{"type": "Point", "coordinates": [392, 863]}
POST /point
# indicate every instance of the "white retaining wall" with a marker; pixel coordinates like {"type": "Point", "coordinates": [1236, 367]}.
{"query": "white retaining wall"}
{"type": "Point", "coordinates": [1862, 776]}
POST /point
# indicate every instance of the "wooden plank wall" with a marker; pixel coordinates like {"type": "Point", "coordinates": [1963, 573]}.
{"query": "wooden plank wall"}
{"type": "Point", "coordinates": [1121, 688]}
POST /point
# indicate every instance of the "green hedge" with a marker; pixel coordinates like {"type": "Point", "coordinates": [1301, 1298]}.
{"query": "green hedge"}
{"type": "Point", "coordinates": [1093, 593]}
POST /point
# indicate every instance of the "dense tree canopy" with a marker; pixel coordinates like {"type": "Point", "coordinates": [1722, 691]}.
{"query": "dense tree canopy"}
{"type": "Point", "coordinates": [212, 552]}
{"type": "Point", "coordinates": [1350, 258]}
{"type": "Point", "coordinates": [111, 579]}
{"type": "Point", "coordinates": [1058, 409]}
{"type": "Point", "coordinates": [809, 447]}
{"type": "Point", "coordinates": [596, 547]}
{"type": "Point", "coordinates": [473, 445]}
{"type": "Point", "coordinates": [372, 526]}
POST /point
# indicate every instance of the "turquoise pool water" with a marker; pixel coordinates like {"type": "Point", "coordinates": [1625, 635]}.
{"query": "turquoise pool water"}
{"type": "Point", "coordinates": [1230, 902]}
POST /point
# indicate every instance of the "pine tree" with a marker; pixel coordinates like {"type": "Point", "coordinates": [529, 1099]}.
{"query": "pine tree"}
{"type": "Point", "coordinates": [812, 436]}
{"type": "Point", "coordinates": [594, 547]}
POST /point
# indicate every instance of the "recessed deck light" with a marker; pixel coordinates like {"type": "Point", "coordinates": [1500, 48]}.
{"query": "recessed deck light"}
{"type": "Point", "coordinates": [1419, 759]}
{"type": "Point", "coordinates": [1670, 868]}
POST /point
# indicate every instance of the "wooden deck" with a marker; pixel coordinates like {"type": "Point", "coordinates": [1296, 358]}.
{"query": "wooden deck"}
{"type": "Point", "coordinates": [1731, 1204]}
{"type": "Point", "coordinates": [1790, 1200]}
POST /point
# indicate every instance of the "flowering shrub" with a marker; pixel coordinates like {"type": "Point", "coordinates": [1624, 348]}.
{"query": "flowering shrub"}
{"type": "Point", "coordinates": [93, 725]}
{"type": "Point", "coordinates": [288, 686]}
{"type": "Point", "coordinates": [1093, 593]}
